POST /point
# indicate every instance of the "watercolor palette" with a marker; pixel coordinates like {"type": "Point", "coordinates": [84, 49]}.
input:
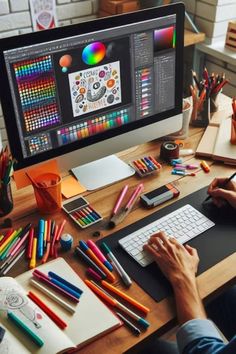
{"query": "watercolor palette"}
{"type": "Point", "coordinates": [81, 212]}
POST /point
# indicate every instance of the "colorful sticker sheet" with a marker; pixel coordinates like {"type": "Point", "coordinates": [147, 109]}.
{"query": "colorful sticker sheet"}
{"type": "Point", "coordinates": [37, 91]}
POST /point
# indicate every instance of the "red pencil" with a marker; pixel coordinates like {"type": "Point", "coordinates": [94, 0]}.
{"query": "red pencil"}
{"type": "Point", "coordinates": [30, 243]}
{"type": "Point", "coordinates": [59, 322]}
{"type": "Point", "coordinates": [61, 227]}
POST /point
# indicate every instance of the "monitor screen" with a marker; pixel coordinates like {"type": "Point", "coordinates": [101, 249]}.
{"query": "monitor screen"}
{"type": "Point", "coordinates": [68, 88]}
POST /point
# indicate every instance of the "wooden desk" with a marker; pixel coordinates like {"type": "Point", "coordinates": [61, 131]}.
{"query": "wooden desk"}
{"type": "Point", "coordinates": [103, 200]}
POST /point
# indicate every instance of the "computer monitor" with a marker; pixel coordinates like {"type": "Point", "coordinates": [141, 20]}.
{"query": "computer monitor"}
{"type": "Point", "coordinates": [88, 90]}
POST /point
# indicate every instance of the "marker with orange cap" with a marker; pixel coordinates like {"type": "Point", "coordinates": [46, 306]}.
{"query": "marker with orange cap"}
{"type": "Point", "coordinates": [205, 166]}
{"type": "Point", "coordinates": [113, 302]}
{"type": "Point", "coordinates": [126, 297]}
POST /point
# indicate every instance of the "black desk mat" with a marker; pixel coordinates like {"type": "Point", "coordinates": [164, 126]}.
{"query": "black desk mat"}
{"type": "Point", "coordinates": [213, 245]}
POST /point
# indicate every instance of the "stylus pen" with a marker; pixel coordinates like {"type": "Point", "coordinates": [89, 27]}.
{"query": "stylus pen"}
{"type": "Point", "coordinates": [222, 186]}
{"type": "Point", "coordinates": [120, 270]}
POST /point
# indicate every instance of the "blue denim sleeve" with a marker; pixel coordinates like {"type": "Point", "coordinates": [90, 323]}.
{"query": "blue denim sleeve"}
{"type": "Point", "coordinates": [200, 336]}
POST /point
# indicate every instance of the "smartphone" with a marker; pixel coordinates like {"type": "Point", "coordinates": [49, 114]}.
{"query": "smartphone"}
{"type": "Point", "coordinates": [159, 195]}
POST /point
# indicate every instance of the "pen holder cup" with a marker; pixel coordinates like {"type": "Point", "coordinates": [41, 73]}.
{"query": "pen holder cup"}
{"type": "Point", "coordinates": [201, 114]}
{"type": "Point", "coordinates": [214, 102]}
{"type": "Point", "coordinates": [233, 132]}
{"type": "Point", "coordinates": [6, 201]}
{"type": "Point", "coordinates": [47, 190]}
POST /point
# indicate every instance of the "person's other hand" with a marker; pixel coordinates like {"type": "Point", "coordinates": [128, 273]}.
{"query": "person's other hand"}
{"type": "Point", "coordinates": [222, 195]}
{"type": "Point", "coordinates": [177, 262]}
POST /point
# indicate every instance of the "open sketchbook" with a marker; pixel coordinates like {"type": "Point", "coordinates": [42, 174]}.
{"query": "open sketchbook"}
{"type": "Point", "coordinates": [91, 318]}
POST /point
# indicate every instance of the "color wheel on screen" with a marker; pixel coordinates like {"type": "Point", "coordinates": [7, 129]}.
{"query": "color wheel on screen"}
{"type": "Point", "coordinates": [93, 53]}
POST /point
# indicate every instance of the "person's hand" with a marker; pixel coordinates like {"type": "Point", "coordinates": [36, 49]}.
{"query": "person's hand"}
{"type": "Point", "coordinates": [177, 262]}
{"type": "Point", "coordinates": [220, 196]}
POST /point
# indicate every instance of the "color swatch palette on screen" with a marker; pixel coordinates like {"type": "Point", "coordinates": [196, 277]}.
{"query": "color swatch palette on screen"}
{"type": "Point", "coordinates": [39, 143]}
{"type": "Point", "coordinates": [37, 92]}
{"type": "Point", "coordinates": [92, 126]}
{"type": "Point", "coordinates": [164, 38]}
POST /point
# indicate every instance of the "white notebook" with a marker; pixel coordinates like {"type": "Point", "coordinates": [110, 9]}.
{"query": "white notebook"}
{"type": "Point", "coordinates": [91, 319]}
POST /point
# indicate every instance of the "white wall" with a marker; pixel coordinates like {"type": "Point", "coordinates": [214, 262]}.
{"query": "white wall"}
{"type": "Point", "coordinates": [15, 19]}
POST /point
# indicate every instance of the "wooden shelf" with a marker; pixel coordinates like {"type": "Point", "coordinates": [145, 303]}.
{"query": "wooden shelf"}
{"type": "Point", "coordinates": [191, 38]}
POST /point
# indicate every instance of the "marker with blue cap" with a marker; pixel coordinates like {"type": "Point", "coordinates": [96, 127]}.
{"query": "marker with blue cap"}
{"type": "Point", "coordinates": [40, 238]}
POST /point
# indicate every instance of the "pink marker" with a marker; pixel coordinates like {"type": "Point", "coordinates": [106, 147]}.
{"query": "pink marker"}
{"type": "Point", "coordinates": [191, 167]}
{"type": "Point", "coordinates": [119, 200]}
{"type": "Point", "coordinates": [133, 197]}
{"type": "Point", "coordinates": [99, 254]}
{"type": "Point", "coordinates": [94, 274]}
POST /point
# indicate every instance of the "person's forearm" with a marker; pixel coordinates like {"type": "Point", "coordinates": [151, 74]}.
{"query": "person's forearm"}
{"type": "Point", "coordinates": [188, 303]}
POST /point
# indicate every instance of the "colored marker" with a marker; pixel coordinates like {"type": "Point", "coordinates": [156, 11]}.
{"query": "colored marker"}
{"type": "Point", "coordinates": [61, 227]}
{"type": "Point", "coordinates": [205, 166]}
{"type": "Point", "coordinates": [40, 238]}
{"type": "Point", "coordinates": [89, 261]}
{"type": "Point", "coordinates": [93, 274]}
{"type": "Point", "coordinates": [34, 251]}
{"type": "Point", "coordinates": [54, 317]}
{"type": "Point", "coordinates": [135, 330]}
{"type": "Point", "coordinates": [44, 278]}
{"type": "Point", "coordinates": [24, 328]}
{"type": "Point", "coordinates": [90, 254]}
{"type": "Point", "coordinates": [99, 254]}
{"type": "Point", "coordinates": [120, 198]}
{"type": "Point", "coordinates": [45, 233]}
{"type": "Point", "coordinates": [13, 261]}
{"type": "Point", "coordinates": [126, 297]}
{"type": "Point", "coordinates": [65, 282]}
{"type": "Point", "coordinates": [113, 302]}
{"type": "Point", "coordinates": [120, 270]}
{"type": "Point", "coordinates": [30, 243]}
{"type": "Point", "coordinates": [52, 295]}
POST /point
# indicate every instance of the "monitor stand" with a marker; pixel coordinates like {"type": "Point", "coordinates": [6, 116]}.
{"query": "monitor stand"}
{"type": "Point", "coordinates": [102, 172]}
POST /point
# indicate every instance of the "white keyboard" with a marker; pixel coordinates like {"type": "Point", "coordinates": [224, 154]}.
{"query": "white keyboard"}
{"type": "Point", "coordinates": [184, 224]}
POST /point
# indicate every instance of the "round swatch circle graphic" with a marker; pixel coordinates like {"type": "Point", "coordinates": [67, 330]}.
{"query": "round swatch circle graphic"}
{"type": "Point", "coordinates": [65, 61]}
{"type": "Point", "coordinates": [93, 53]}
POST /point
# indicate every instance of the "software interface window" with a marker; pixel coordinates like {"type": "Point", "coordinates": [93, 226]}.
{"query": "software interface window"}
{"type": "Point", "coordinates": [74, 88]}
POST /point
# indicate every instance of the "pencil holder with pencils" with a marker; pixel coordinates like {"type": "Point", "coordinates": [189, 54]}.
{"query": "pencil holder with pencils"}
{"type": "Point", "coordinates": [201, 113]}
{"type": "Point", "coordinates": [6, 165]}
{"type": "Point", "coordinates": [6, 201]}
{"type": "Point", "coordinates": [206, 94]}
{"type": "Point", "coordinates": [47, 190]}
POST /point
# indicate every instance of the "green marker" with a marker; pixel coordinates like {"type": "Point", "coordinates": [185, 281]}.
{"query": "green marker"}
{"type": "Point", "coordinates": [35, 338]}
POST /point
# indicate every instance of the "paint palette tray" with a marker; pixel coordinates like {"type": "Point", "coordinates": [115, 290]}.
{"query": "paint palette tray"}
{"type": "Point", "coordinates": [81, 212]}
